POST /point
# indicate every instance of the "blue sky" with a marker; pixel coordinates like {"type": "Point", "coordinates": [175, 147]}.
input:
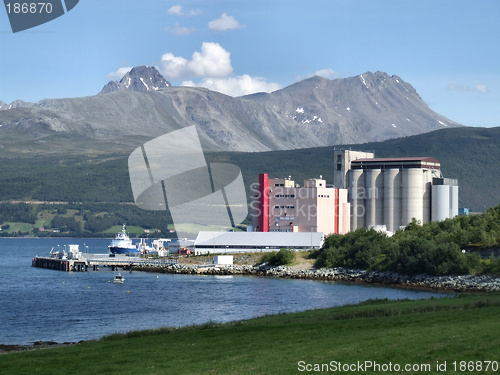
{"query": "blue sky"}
{"type": "Point", "coordinates": [448, 50]}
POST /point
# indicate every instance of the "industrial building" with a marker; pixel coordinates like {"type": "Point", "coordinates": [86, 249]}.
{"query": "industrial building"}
{"type": "Point", "coordinates": [283, 206]}
{"type": "Point", "coordinates": [391, 192]}
{"type": "Point", "coordinates": [343, 160]}
{"type": "Point", "coordinates": [246, 242]}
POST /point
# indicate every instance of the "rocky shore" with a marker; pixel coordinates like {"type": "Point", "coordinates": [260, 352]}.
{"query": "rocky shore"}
{"type": "Point", "coordinates": [35, 345]}
{"type": "Point", "coordinates": [461, 283]}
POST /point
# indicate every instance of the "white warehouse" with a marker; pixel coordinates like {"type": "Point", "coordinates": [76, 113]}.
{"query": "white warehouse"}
{"type": "Point", "coordinates": [247, 242]}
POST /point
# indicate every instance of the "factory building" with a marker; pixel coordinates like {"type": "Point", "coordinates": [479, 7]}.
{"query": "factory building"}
{"type": "Point", "coordinates": [246, 242]}
{"type": "Point", "coordinates": [391, 192]}
{"type": "Point", "coordinates": [343, 159]}
{"type": "Point", "coordinates": [283, 206]}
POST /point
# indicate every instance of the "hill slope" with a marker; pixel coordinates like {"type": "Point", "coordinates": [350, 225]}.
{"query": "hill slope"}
{"type": "Point", "coordinates": [468, 154]}
{"type": "Point", "coordinates": [311, 113]}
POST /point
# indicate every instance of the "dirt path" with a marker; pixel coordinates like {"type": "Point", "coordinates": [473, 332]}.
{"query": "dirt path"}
{"type": "Point", "coordinates": [301, 262]}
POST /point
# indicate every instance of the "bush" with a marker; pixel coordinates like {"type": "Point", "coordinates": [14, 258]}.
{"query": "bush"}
{"type": "Point", "coordinates": [490, 266]}
{"type": "Point", "coordinates": [433, 249]}
{"type": "Point", "coordinates": [266, 258]}
{"type": "Point", "coordinates": [362, 248]}
{"type": "Point", "coordinates": [283, 257]}
{"type": "Point", "coordinates": [427, 257]}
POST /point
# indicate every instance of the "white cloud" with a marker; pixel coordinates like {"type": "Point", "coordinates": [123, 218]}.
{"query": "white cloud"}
{"type": "Point", "coordinates": [194, 12]}
{"type": "Point", "coordinates": [224, 23]}
{"type": "Point", "coordinates": [118, 75]}
{"type": "Point", "coordinates": [180, 30]}
{"type": "Point", "coordinates": [209, 68]}
{"type": "Point", "coordinates": [480, 88]}
{"type": "Point", "coordinates": [326, 73]}
{"type": "Point", "coordinates": [174, 67]}
{"type": "Point", "coordinates": [236, 86]}
{"type": "Point", "coordinates": [176, 10]}
{"type": "Point", "coordinates": [212, 61]}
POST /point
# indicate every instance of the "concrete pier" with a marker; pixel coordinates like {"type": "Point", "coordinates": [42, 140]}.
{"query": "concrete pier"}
{"type": "Point", "coordinates": [83, 264]}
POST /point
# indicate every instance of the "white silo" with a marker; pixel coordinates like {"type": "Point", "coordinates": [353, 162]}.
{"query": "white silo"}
{"type": "Point", "coordinates": [390, 202]}
{"type": "Point", "coordinates": [453, 201]}
{"type": "Point", "coordinates": [427, 177]}
{"type": "Point", "coordinates": [440, 202]}
{"type": "Point", "coordinates": [356, 197]}
{"type": "Point", "coordinates": [379, 199]}
{"type": "Point", "coordinates": [412, 193]}
{"type": "Point", "coordinates": [371, 192]}
{"type": "Point", "coordinates": [398, 194]}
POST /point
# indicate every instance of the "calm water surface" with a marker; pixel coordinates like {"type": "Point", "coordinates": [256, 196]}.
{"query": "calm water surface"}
{"type": "Point", "coordinates": [42, 305]}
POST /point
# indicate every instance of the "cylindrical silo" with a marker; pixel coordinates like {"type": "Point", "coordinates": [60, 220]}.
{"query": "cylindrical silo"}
{"type": "Point", "coordinates": [427, 186]}
{"type": "Point", "coordinates": [379, 199]}
{"type": "Point", "coordinates": [398, 191]}
{"type": "Point", "coordinates": [453, 201]}
{"type": "Point", "coordinates": [389, 199]}
{"type": "Point", "coordinates": [412, 195]}
{"type": "Point", "coordinates": [355, 178]}
{"type": "Point", "coordinates": [371, 192]}
{"type": "Point", "coordinates": [440, 202]}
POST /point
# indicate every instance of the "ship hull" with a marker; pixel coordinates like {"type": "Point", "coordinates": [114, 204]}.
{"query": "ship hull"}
{"type": "Point", "coordinates": [123, 250]}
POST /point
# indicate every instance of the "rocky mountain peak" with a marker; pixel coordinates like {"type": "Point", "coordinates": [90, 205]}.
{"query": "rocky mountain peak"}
{"type": "Point", "coordinates": [15, 104]}
{"type": "Point", "coordinates": [140, 78]}
{"type": "Point", "coordinates": [314, 112]}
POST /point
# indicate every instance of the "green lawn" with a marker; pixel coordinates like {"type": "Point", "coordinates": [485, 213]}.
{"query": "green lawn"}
{"type": "Point", "coordinates": [416, 333]}
{"type": "Point", "coordinates": [18, 227]}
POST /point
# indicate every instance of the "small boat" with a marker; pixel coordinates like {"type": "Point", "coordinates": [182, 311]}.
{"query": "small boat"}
{"type": "Point", "coordinates": [119, 279]}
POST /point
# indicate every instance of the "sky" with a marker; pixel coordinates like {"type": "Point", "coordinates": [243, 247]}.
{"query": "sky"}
{"type": "Point", "coordinates": [447, 49]}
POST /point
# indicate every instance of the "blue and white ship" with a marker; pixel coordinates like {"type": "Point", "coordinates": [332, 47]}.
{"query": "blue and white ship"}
{"type": "Point", "coordinates": [122, 244]}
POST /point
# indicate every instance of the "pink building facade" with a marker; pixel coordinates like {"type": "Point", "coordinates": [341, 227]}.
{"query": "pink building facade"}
{"type": "Point", "coordinates": [283, 206]}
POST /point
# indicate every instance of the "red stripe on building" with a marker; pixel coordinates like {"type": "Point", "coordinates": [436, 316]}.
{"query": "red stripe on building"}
{"type": "Point", "coordinates": [337, 213]}
{"type": "Point", "coordinates": [263, 221]}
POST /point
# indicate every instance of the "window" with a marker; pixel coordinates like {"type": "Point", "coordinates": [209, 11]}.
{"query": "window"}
{"type": "Point", "coordinates": [339, 158]}
{"type": "Point", "coordinates": [339, 167]}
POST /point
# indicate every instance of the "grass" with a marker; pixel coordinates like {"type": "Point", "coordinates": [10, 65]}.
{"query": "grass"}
{"type": "Point", "coordinates": [403, 332]}
{"type": "Point", "coordinates": [18, 227]}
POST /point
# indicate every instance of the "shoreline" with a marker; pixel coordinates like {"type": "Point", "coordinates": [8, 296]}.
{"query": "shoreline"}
{"type": "Point", "coordinates": [456, 283]}
{"type": "Point", "coordinates": [461, 284]}
{"type": "Point", "coordinates": [8, 348]}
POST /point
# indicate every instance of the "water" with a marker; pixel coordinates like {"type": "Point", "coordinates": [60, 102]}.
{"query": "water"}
{"type": "Point", "coordinates": [43, 305]}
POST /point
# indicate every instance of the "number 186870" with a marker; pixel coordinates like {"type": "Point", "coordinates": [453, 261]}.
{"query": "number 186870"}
{"type": "Point", "coordinates": [26, 8]}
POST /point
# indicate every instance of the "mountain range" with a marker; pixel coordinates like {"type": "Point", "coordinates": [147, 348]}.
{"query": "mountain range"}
{"type": "Point", "coordinates": [143, 105]}
{"type": "Point", "coordinates": [140, 78]}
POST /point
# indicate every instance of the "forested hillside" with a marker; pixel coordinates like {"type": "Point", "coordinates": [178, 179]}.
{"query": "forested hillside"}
{"type": "Point", "coordinates": [469, 154]}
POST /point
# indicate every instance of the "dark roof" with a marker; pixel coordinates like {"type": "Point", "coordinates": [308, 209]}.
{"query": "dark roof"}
{"type": "Point", "coordinates": [426, 159]}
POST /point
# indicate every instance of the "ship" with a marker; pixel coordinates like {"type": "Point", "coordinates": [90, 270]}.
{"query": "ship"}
{"type": "Point", "coordinates": [122, 244]}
